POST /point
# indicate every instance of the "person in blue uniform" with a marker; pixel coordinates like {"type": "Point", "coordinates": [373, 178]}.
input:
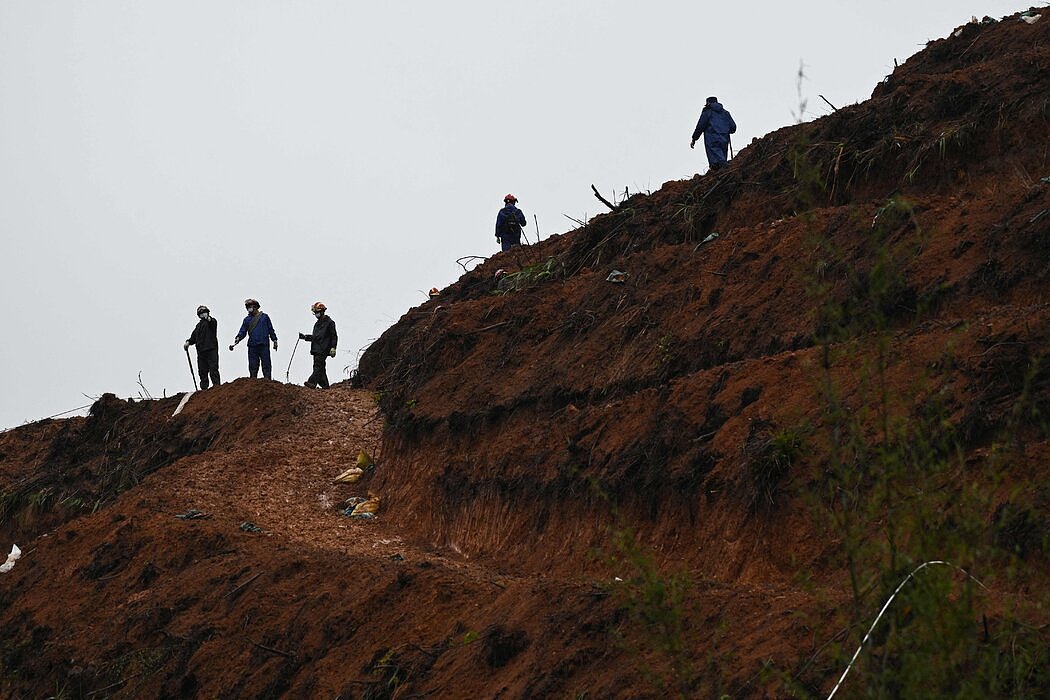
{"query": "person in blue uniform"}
{"type": "Point", "coordinates": [716, 124]}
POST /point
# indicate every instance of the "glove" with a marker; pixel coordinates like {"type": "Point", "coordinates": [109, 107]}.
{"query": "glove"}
{"type": "Point", "coordinates": [332, 352]}
{"type": "Point", "coordinates": [302, 336]}
{"type": "Point", "coordinates": [231, 347]}
{"type": "Point", "coordinates": [692, 143]}
{"type": "Point", "coordinates": [186, 345]}
{"type": "Point", "coordinates": [498, 239]}
{"type": "Point", "coordinates": [275, 345]}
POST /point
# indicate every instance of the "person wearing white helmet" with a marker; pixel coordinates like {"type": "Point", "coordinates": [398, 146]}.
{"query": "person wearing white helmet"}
{"type": "Point", "coordinates": [258, 328]}
{"type": "Point", "coordinates": [323, 342]}
{"type": "Point", "coordinates": [509, 222]}
{"type": "Point", "coordinates": [206, 337]}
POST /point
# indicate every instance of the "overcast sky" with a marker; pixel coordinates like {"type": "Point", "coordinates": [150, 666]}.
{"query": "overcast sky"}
{"type": "Point", "coordinates": [159, 155]}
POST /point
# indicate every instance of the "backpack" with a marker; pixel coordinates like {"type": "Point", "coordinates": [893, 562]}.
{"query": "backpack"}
{"type": "Point", "coordinates": [510, 227]}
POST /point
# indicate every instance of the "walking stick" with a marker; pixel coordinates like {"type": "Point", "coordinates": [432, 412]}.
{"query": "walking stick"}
{"type": "Point", "coordinates": [190, 363]}
{"type": "Point", "coordinates": [730, 148]}
{"type": "Point", "coordinates": [288, 371]}
{"type": "Point", "coordinates": [537, 227]}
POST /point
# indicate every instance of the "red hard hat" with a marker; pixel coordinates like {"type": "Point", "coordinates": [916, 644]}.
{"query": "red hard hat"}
{"type": "Point", "coordinates": [510, 198]}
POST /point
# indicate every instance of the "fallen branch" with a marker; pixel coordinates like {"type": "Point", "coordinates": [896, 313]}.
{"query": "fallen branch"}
{"type": "Point", "coordinates": [271, 649]}
{"type": "Point", "coordinates": [488, 328]}
{"type": "Point", "coordinates": [581, 223]}
{"type": "Point", "coordinates": [602, 199]}
{"type": "Point", "coordinates": [828, 103]}
{"type": "Point", "coordinates": [459, 261]}
{"type": "Point", "coordinates": [243, 585]}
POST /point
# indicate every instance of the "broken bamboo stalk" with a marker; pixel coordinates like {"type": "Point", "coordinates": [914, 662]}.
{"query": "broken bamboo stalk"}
{"type": "Point", "coordinates": [602, 199]}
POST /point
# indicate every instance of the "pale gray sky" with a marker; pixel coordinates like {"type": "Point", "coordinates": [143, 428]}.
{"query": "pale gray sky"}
{"type": "Point", "coordinates": [159, 155]}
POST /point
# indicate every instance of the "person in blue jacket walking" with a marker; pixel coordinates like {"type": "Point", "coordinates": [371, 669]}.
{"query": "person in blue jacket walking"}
{"type": "Point", "coordinates": [509, 222]}
{"type": "Point", "coordinates": [716, 124]}
{"type": "Point", "coordinates": [259, 330]}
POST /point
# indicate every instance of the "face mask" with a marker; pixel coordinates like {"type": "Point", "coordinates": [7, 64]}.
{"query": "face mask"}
{"type": "Point", "coordinates": [204, 316]}
{"type": "Point", "coordinates": [317, 314]}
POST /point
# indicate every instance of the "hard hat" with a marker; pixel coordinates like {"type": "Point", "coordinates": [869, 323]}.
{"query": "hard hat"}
{"type": "Point", "coordinates": [510, 198]}
{"type": "Point", "coordinates": [202, 308]}
{"type": "Point", "coordinates": [318, 306]}
{"type": "Point", "coordinates": [251, 302]}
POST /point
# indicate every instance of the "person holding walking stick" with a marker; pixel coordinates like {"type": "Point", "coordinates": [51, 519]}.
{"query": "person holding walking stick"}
{"type": "Point", "coordinates": [323, 342]}
{"type": "Point", "coordinates": [205, 337]}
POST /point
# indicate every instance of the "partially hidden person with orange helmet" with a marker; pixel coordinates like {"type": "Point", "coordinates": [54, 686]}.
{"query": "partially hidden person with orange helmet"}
{"type": "Point", "coordinates": [206, 337]}
{"type": "Point", "coordinates": [509, 223]}
{"type": "Point", "coordinates": [258, 329]}
{"type": "Point", "coordinates": [323, 342]}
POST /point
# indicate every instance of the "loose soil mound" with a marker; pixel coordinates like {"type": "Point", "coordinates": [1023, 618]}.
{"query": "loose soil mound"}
{"type": "Point", "coordinates": [599, 489]}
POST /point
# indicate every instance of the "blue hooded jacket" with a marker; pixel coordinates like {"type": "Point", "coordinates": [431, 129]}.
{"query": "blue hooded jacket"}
{"type": "Point", "coordinates": [716, 124]}
{"type": "Point", "coordinates": [263, 330]}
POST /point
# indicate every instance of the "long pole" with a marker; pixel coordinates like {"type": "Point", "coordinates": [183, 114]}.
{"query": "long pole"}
{"type": "Point", "coordinates": [730, 147]}
{"type": "Point", "coordinates": [537, 227]}
{"type": "Point", "coordinates": [289, 370]}
{"type": "Point", "coordinates": [190, 363]}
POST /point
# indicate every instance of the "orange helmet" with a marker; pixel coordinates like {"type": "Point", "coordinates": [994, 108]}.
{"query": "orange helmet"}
{"type": "Point", "coordinates": [510, 198]}
{"type": "Point", "coordinates": [318, 306]}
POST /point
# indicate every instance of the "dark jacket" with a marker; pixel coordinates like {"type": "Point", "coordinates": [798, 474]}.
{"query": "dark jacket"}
{"type": "Point", "coordinates": [715, 123]}
{"type": "Point", "coordinates": [263, 330]}
{"type": "Point", "coordinates": [509, 222]}
{"type": "Point", "coordinates": [324, 337]}
{"type": "Point", "coordinates": [205, 335]}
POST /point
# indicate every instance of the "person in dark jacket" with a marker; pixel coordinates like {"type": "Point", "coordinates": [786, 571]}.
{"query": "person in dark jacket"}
{"type": "Point", "coordinates": [258, 328]}
{"type": "Point", "coordinates": [205, 336]}
{"type": "Point", "coordinates": [323, 342]}
{"type": "Point", "coordinates": [509, 223]}
{"type": "Point", "coordinates": [716, 124]}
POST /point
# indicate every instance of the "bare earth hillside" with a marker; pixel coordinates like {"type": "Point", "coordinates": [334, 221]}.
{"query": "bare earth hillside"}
{"type": "Point", "coordinates": [825, 366]}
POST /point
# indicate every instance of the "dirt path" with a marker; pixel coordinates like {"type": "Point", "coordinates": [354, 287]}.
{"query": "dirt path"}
{"type": "Point", "coordinates": [282, 481]}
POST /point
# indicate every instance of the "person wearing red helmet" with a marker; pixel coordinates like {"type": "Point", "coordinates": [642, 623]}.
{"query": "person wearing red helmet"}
{"type": "Point", "coordinates": [509, 223]}
{"type": "Point", "coordinates": [323, 342]}
{"type": "Point", "coordinates": [205, 337]}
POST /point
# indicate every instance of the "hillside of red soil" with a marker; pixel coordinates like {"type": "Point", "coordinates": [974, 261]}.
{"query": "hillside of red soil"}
{"type": "Point", "coordinates": [606, 489]}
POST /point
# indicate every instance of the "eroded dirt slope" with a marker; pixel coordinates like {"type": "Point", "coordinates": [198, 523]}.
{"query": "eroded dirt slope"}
{"type": "Point", "coordinates": [598, 489]}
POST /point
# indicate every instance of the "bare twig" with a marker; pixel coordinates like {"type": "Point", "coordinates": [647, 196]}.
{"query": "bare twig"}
{"type": "Point", "coordinates": [488, 328]}
{"type": "Point", "coordinates": [459, 261]}
{"type": "Point", "coordinates": [144, 389]}
{"type": "Point", "coordinates": [271, 649]}
{"type": "Point", "coordinates": [122, 681]}
{"type": "Point", "coordinates": [602, 199]}
{"type": "Point", "coordinates": [581, 223]}
{"type": "Point", "coordinates": [828, 103]}
{"type": "Point", "coordinates": [243, 585]}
